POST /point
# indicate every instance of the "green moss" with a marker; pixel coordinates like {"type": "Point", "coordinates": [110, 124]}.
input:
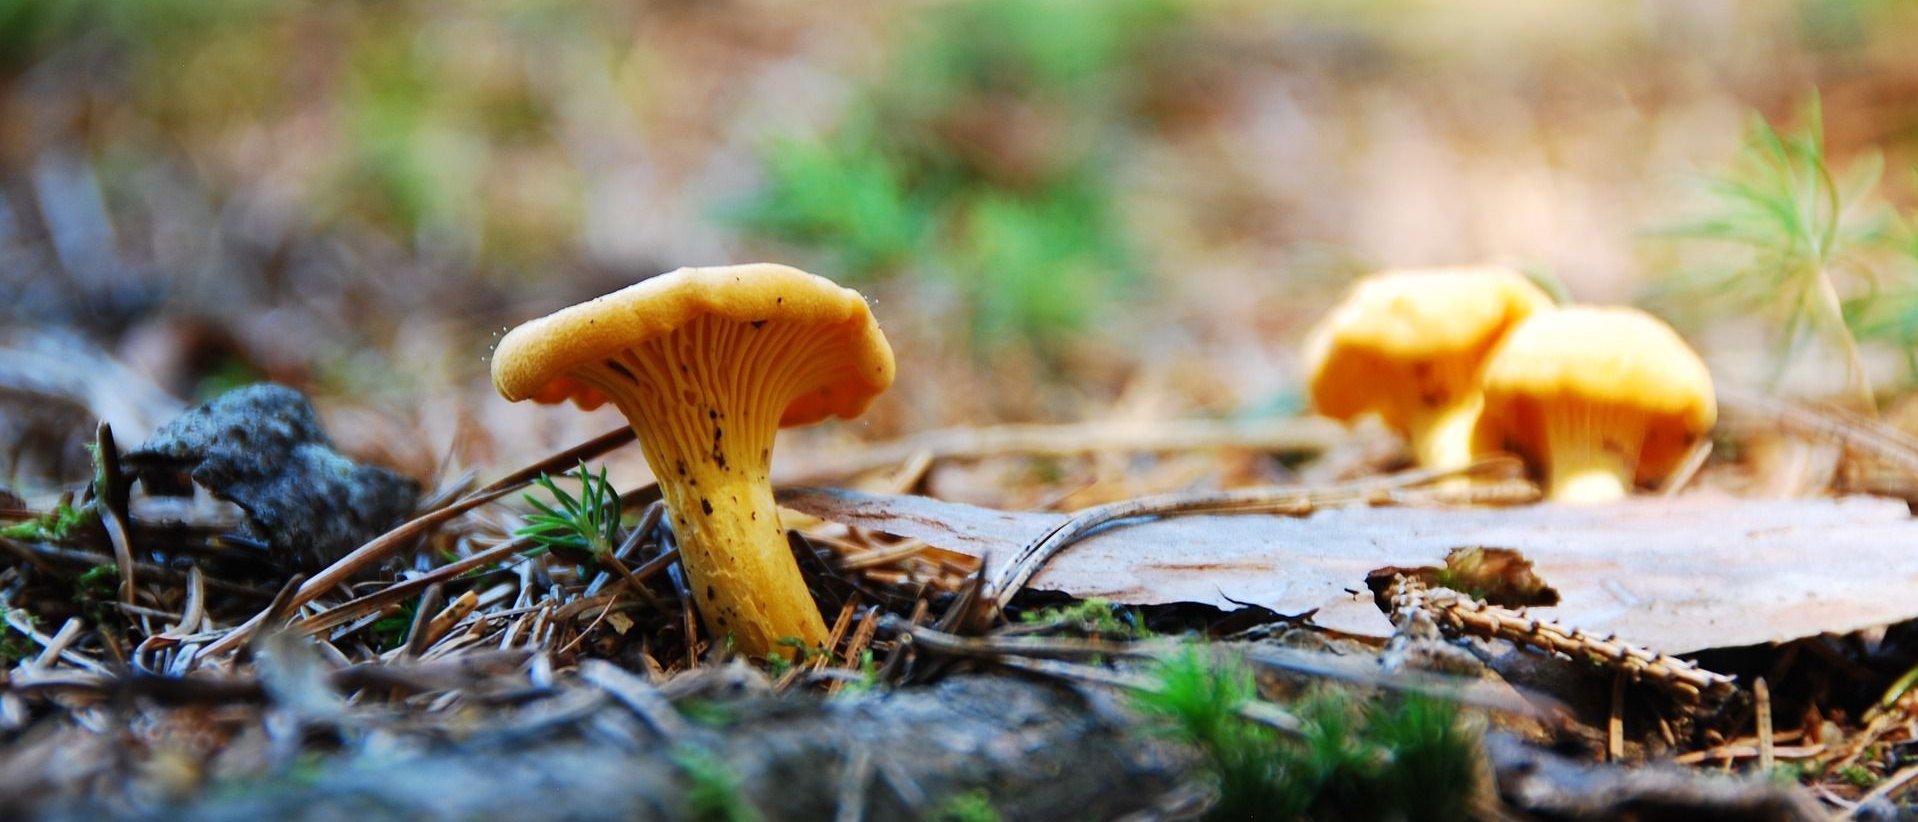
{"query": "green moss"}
{"type": "Point", "coordinates": [56, 526]}
{"type": "Point", "coordinates": [14, 646]}
{"type": "Point", "coordinates": [712, 790]}
{"type": "Point", "coordinates": [1390, 758]}
{"type": "Point", "coordinates": [972, 806]}
{"type": "Point", "coordinates": [1858, 776]}
{"type": "Point", "coordinates": [97, 582]}
{"type": "Point", "coordinates": [706, 712]}
{"type": "Point", "coordinates": [1093, 615]}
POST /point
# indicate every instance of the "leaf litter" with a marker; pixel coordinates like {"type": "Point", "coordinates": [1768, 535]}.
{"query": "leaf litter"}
{"type": "Point", "coordinates": [489, 629]}
{"type": "Point", "coordinates": [1682, 574]}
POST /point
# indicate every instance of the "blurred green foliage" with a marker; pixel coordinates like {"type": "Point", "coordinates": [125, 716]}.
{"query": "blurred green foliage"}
{"type": "Point", "coordinates": [981, 160]}
{"type": "Point", "coordinates": [421, 121]}
{"type": "Point", "coordinates": [1812, 248]}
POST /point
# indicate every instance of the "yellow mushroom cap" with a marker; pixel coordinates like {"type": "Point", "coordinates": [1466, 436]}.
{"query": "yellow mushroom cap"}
{"type": "Point", "coordinates": [1407, 345]}
{"type": "Point", "coordinates": [1615, 382]}
{"type": "Point", "coordinates": [533, 361]}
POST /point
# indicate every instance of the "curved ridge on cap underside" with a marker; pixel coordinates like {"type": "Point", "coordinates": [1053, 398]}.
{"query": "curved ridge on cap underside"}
{"type": "Point", "coordinates": [534, 357]}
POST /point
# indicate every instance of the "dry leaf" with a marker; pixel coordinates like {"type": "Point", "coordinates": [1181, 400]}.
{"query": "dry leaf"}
{"type": "Point", "coordinates": [1681, 575]}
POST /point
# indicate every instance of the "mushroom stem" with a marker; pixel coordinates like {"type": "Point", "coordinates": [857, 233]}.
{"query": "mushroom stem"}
{"type": "Point", "coordinates": [706, 424]}
{"type": "Point", "coordinates": [1441, 438]}
{"type": "Point", "coordinates": [1580, 481]}
{"type": "Point", "coordinates": [1592, 451]}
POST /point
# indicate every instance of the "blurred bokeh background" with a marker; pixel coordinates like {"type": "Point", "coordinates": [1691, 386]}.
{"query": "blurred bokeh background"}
{"type": "Point", "coordinates": [1063, 209]}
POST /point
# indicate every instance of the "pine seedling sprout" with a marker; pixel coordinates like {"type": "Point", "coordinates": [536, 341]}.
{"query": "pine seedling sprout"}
{"type": "Point", "coordinates": [575, 527]}
{"type": "Point", "coordinates": [1808, 234]}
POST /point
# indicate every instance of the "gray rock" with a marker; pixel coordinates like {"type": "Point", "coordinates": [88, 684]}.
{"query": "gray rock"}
{"type": "Point", "coordinates": [262, 448]}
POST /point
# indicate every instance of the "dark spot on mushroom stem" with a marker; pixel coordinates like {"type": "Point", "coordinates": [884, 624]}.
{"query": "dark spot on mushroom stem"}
{"type": "Point", "coordinates": [719, 457]}
{"type": "Point", "coordinates": [680, 465]}
{"type": "Point", "coordinates": [779, 300]}
{"type": "Point", "coordinates": [722, 622]}
{"type": "Point", "coordinates": [712, 413]}
{"type": "Point", "coordinates": [706, 505]}
{"type": "Point", "coordinates": [757, 324]}
{"type": "Point", "coordinates": [710, 593]}
{"type": "Point", "coordinates": [765, 455]}
{"type": "Point", "coordinates": [755, 516]}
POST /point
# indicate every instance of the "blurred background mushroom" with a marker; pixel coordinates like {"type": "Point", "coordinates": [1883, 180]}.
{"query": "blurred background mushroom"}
{"type": "Point", "coordinates": [1596, 400]}
{"type": "Point", "coordinates": [1408, 346]}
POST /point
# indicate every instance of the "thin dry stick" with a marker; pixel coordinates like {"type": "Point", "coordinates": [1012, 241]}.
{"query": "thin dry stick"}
{"type": "Point", "coordinates": [1855, 434]}
{"type": "Point", "coordinates": [1304, 434]}
{"type": "Point", "coordinates": [195, 609]}
{"type": "Point", "coordinates": [345, 567]}
{"type": "Point", "coordinates": [416, 635]}
{"type": "Point", "coordinates": [450, 616]}
{"type": "Point", "coordinates": [1019, 569]}
{"type": "Point", "coordinates": [1687, 469]}
{"type": "Point", "coordinates": [111, 501]}
{"type": "Point", "coordinates": [1459, 614]}
{"type": "Point", "coordinates": [1615, 724]}
{"type": "Point", "coordinates": [1761, 697]}
{"type": "Point", "coordinates": [1734, 751]}
{"type": "Point", "coordinates": [69, 631]}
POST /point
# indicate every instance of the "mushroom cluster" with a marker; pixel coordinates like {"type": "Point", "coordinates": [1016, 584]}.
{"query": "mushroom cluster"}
{"type": "Point", "coordinates": [707, 364]}
{"type": "Point", "coordinates": [1408, 346]}
{"type": "Point", "coordinates": [1471, 361]}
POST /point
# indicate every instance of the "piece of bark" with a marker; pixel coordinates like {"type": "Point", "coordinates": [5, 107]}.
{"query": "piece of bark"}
{"type": "Point", "coordinates": [1039, 751]}
{"type": "Point", "coordinates": [1556, 787]}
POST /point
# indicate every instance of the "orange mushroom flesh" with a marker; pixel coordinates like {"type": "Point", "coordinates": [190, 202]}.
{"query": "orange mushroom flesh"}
{"type": "Point", "coordinates": [1408, 345]}
{"type": "Point", "coordinates": [707, 364]}
{"type": "Point", "coordinates": [1596, 400]}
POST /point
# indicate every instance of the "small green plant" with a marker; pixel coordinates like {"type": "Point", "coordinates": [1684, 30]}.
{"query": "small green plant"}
{"type": "Point", "coordinates": [580, 529]}
{"type": "Point", "coordinates": [712, 789]}
{"type": "Point", "coordinates": [868, 676]}
{"type": "Point", "coordinates": [389, 632]}
{"type": "Point", "coordinates": [972, 806]}
{"type": "Point", "coordinates": [1807, 235]}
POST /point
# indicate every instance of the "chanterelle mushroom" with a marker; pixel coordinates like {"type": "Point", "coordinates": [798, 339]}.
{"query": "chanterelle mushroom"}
{"type": "Point", "coordinates": [1407, 345]}
{"type": "Point", "coordinates": [1595, 398]}
{"type": "Point", "coordinates": [707, 364]}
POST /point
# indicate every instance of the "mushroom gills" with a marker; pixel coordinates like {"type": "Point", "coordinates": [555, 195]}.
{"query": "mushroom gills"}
{"type": "Point", "coordinates": [706, 402]}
